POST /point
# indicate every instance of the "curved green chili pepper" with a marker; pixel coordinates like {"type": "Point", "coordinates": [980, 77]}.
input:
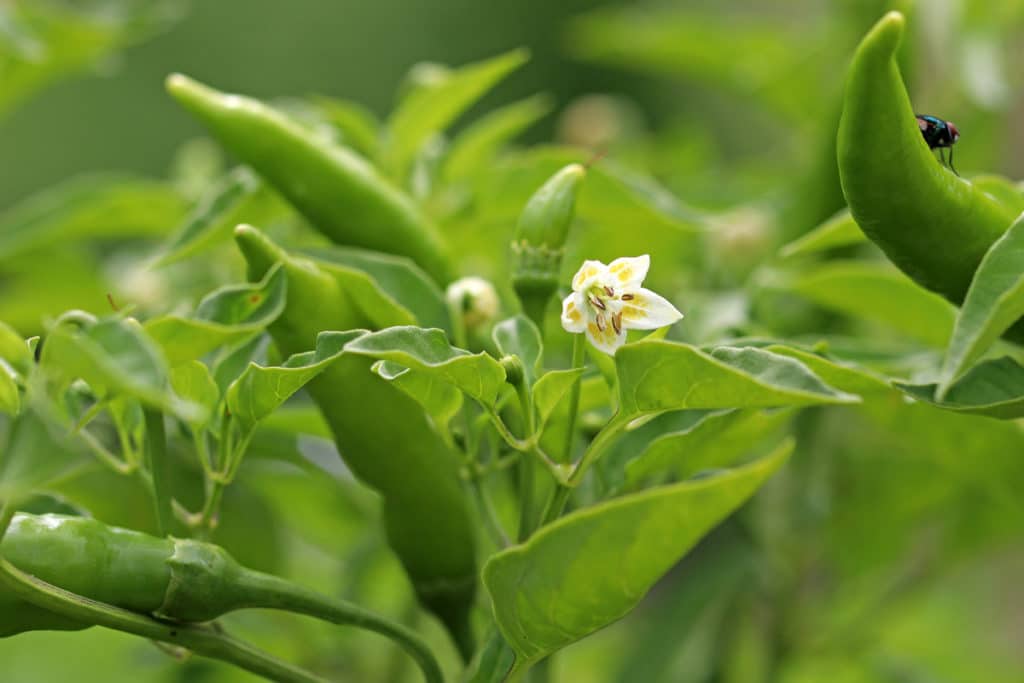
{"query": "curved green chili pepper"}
{"type": "Point", "coordinates": [337, 190]}
{"type": "Point", "coordinates": [933, 225]}
{"type": "Point", "coordinates": [540, 236]}
{"type": "Point", "coordinates": [176, 579]}
{"type": "Point", "coordinates": [385, 438]}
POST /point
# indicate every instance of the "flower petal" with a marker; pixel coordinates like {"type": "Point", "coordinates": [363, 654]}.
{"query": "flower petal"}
{"type": "Point", "coordinates": [604, 337]}
{"type": "Point", "coordinates": [589, 274]}
{"type": "Point", "coordinates": [642, 309]}
{"type": "Point", "coordinates": [574, 313]}
{"type": "Point", "coordinates": [629, 272]}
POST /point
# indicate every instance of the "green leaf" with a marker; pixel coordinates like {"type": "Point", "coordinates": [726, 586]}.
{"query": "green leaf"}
{"type": "Point", "coordinates": [14, 349]}
{"type": "Point", "coordinates": [612, 194]}
{"type": "Point", "coordinates": [240, 197]}
{"type": "Point", "coordinates": [37, 454]}
{"type": "Point", "coordinates": [717, 440]}
{"type": "Point", "coordinates": [550, 390]}
{"type": "Point", "coordinates": [10, 399]}
{"type": "Point", "coordinates": [431, 106]}
{"type": "Point", "coordinates": [90, 206]}
{"type": "Point", "coordinates": [995, 301]}
{"type": "Point", "coordinates": [518, 336]}
{"type": "Point", "coordinates": [233, 360]}
{"type": "Point", "coordinates": [492, 662]}
{"type": "Point", "coordinates": [192, 381]}
{"type": "Point", "coordinates": [655, 376]}
{"type": "Point", "coordinates": [994, 388]}
{"type": "Point", "coordinates": [260, 390]}
{"type": "Point", "coordinates": [591, 567]}
{"type": "Point", "coordinates": [479, 143]}
{"type": "Point", "coordinates": [847, 377]}
{"type": "Point", "coordinates": [440, 399]}
{"type": "Point", "coordinates": [400, 289]}
{"type": "Point", "coordinates": [838, 231]}
{"type": "Point", "coordinates": [358, 126]}
{"type": "Point", "coordinates": [478, 375]}
{"type": "Point", "coordinates": [44, 42]}
{"type": "Point", "coordinates": [880, 293]}
{"type": "Point", "coordinates": [224, 317]}
{"type": "Point", "coordinates": [115, 356]}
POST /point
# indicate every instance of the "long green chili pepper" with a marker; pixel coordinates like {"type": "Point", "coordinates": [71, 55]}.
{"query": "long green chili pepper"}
{"type": "Point", "coordinates": [337, 190]}
{"type": "Point", "coordinates": [539, 240]}
{"type": "Point", "coordinates": [933, 225]}
{"type": "Point", "coordinates": [386, 440]}
{"type": "Point", "coordinates": [176, 579]}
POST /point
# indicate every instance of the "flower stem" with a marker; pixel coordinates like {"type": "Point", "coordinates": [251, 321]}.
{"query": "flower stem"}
{"type": "Point", "coordinates": [579, 354]}
{"type": "Point", "coordinates": [271, 592]}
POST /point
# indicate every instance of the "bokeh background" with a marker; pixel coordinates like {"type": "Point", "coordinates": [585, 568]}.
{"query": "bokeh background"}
{"type": "Point", "coordinates": [891, 551]}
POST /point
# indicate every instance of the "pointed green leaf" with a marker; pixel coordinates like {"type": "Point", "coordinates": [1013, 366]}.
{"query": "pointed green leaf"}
{"type": "Point", "coordinates": [480, 142]}
{"type": "Point", "coordinates": [847, 377]}
{"type": "Point", "coordinates": [478, 375]}
{"type": "Point", "coordinates": [89, 206]}
{"type": "Point", "coordinates": [880, 293]}
{"type": "Point", "coordinates": [232, 361]}
{"type": "Point", "coordinates": [192, 381]}
{"type": "Point", "coordinates": [838, 231]}
{"type": "Point", "coordinates": [224, 317]}
{"type": "Point", "coordinates": [492, 662]}
{"type": "Point", "coordinates": [518, 336]}
{"type": "Point", "coordinates": [655, 376]}
{"type": "Point", "coordinates": [115, 356]}
{"type": "Point", "coordinates": [994, 388]}
{"type": "Point", "coordinates": [358, 126]}
{"type": "Point", "coordinates": [260, 390]}
{"type": "Point", "coordinates": [240, 197]}
{"type": "Point", "coordinates": [37, 454]}
{"type": "Point", "coordinates": [439, 398]}
{"type": "Point", "coordinates": [14, 349]}
{"type": "Point", "coordinates": [717, 440]}
{"type": "Point", "coordinates": [431, 106]}
{"type": "Point", "coordinates": [995, 301]}
{"type": "Point", "coordinates": [10, 399]}
{"type": "Point", "coordinates": [401, 290]}
{"type": "Point", "coordinates": [550, 390]}
{"type": "Point", "coordinates": [591, 567]}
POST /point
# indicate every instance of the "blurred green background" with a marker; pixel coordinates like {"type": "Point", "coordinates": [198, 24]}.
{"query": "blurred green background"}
{"type": "Point", "coordinates": [890, 548]}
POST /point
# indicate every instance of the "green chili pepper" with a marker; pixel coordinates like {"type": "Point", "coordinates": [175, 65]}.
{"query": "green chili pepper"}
{"type": "Point", "coordinates": [337, 190]}
{"type": "Point", "coordinates": [385, 439]}
{"type": "Point", "coordinates": [176, 579]}
{"type": "Point", "coordinates": [540, 236]}
{"type": "Point", "coordinates": [933, 225]}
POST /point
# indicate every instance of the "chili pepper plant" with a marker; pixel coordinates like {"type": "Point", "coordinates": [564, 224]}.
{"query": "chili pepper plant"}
{"type": "Point", "coordinates": [445, 408]}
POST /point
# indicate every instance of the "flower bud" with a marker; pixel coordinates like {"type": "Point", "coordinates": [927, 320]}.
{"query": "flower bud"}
{"type": "Point", "coordinates": [475, 298]}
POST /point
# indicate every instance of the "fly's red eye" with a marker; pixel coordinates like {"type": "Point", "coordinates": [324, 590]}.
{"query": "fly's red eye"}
{"type": "Point", "coordinates": [953, 131]}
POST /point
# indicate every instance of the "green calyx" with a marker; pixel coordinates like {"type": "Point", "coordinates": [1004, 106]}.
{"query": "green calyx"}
{"type": "Point", "coordinates": [540, 236]}
{"type": "Point", "coordinates": [933, 225]}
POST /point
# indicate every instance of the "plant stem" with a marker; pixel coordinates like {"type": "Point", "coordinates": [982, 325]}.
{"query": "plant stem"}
{"type": "Point", "coordinates": [604, 438]}
{"type": "Point", "coordinates": [159, 468]}
{"type": "Point", "coordinates": [203, 640]}
{"type": "Point", "coordinates": [579, 354]}
{"type": "Point", "coordinates": [271, 592]}
{"type": "Point", "coordinates": [526, 466]}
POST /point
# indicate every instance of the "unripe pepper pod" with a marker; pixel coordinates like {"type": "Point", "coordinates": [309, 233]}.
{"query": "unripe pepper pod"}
{"type": "Point", "coordinates": [540, 237]}
{"type": "Point", "coordinates": [340, 193]}
{"type": "Point", "coordinates": [179, 580]}
{"type": "Point", "coordinates": [933, 225]}
{"type": "Point", "coordinates": [384, 437]}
